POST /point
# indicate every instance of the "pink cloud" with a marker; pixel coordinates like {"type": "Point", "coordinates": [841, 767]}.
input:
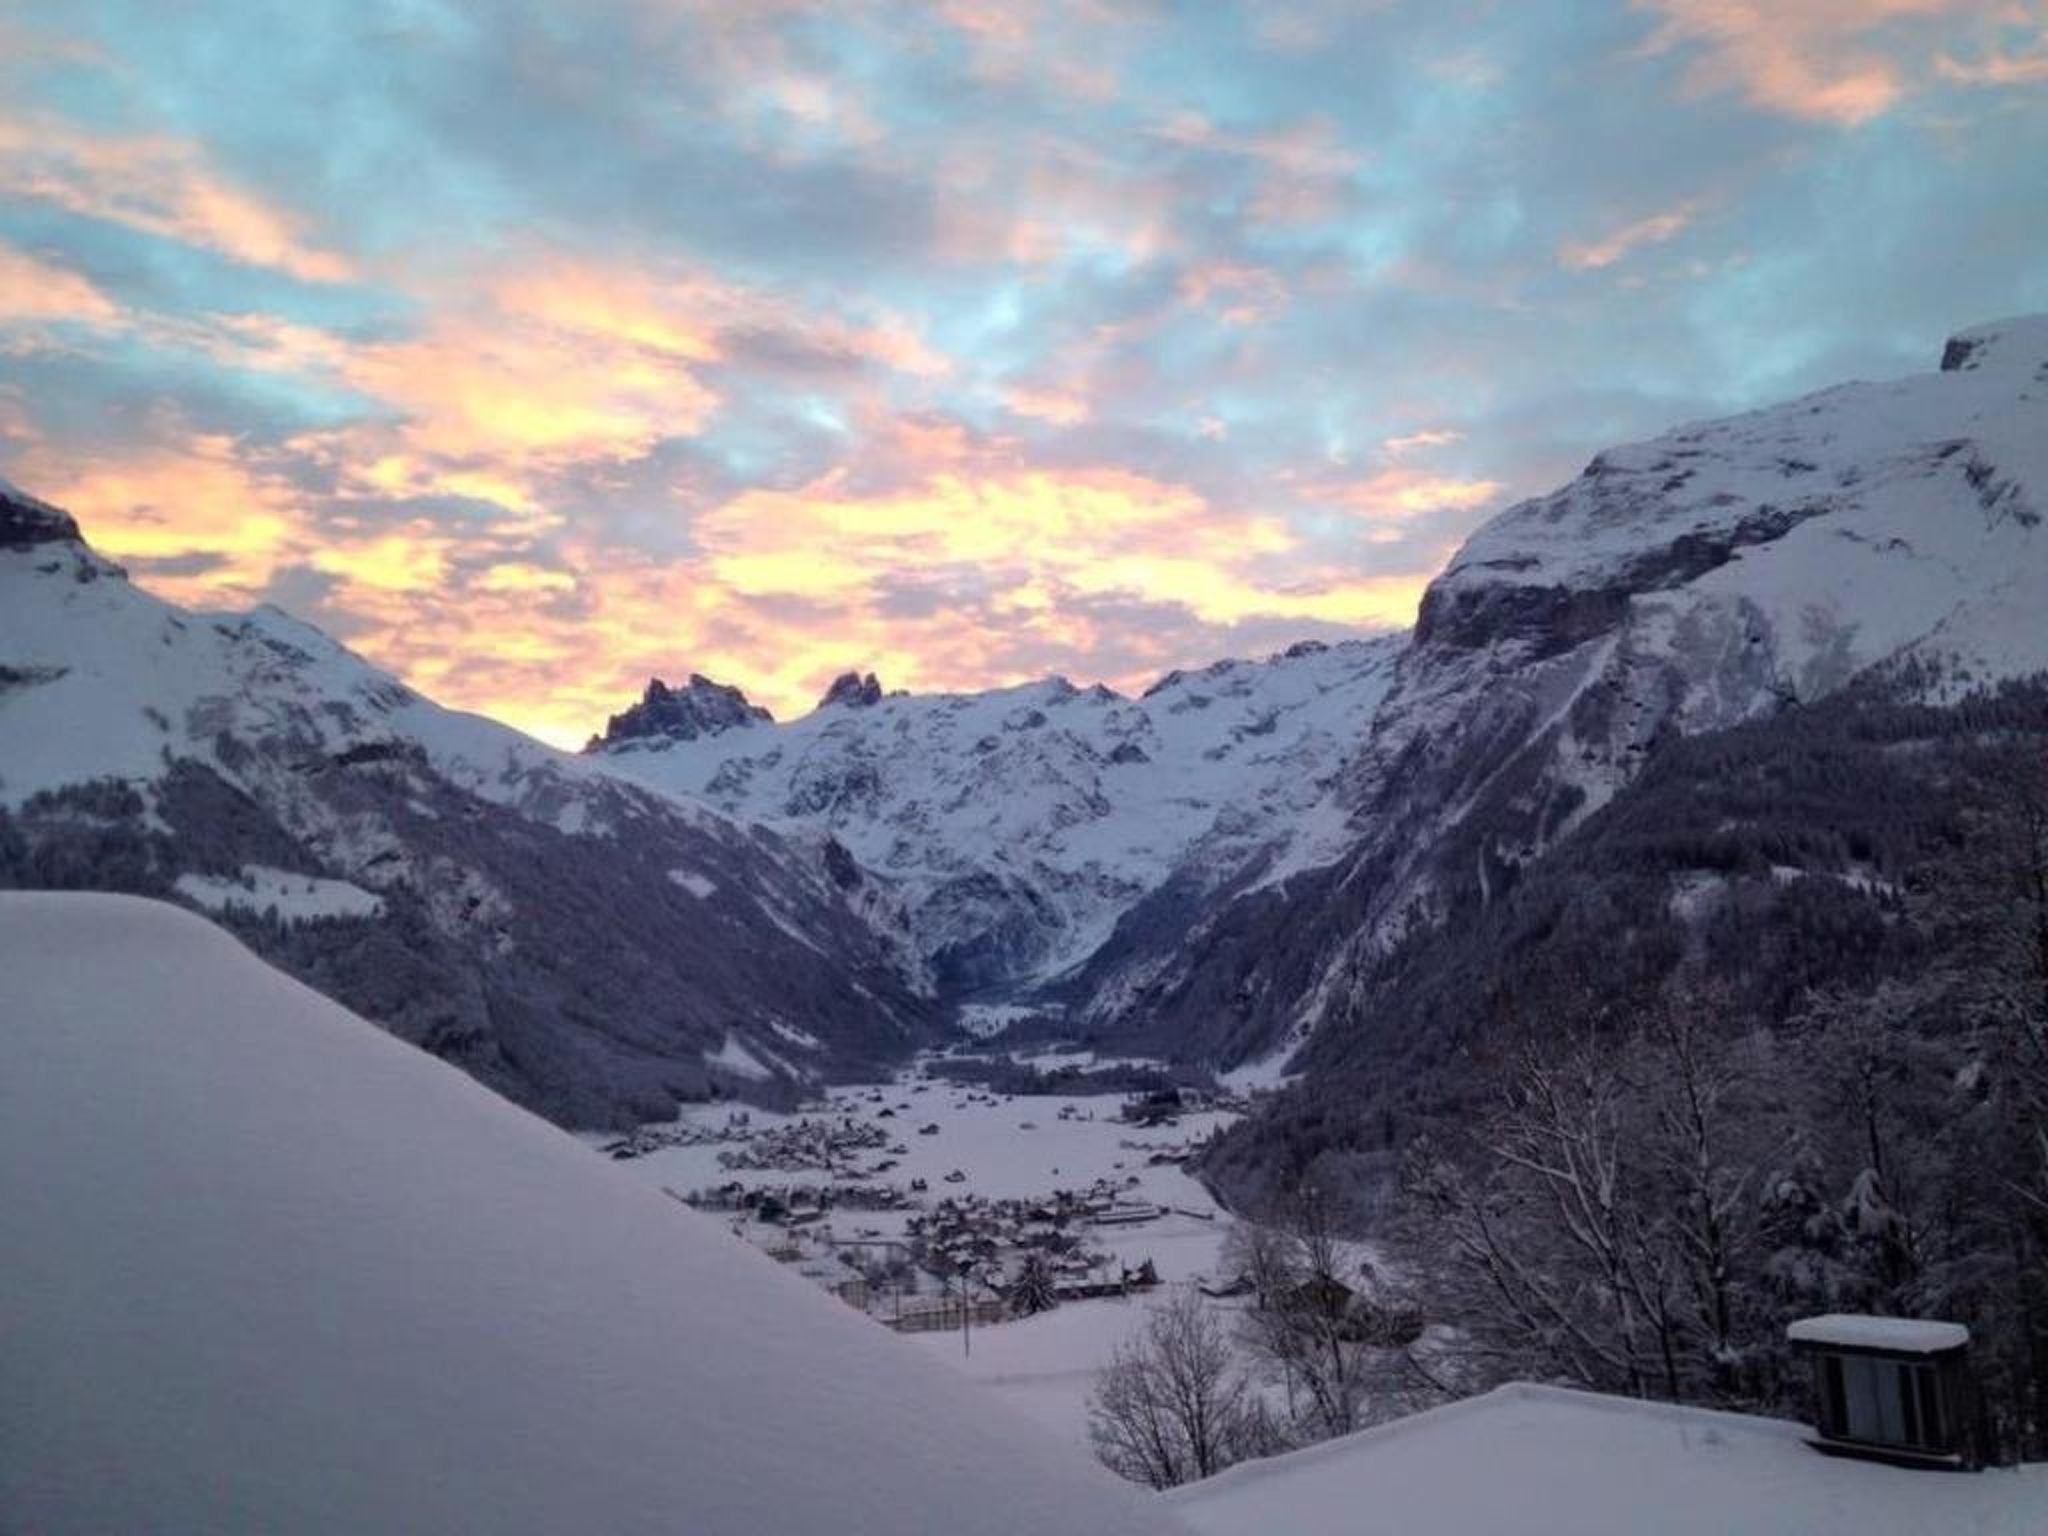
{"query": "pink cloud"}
{"type": "Point", "coordinates": [33, 290]}
{"type": "Point", "coordinates": [162, 186]}
{"type": "Point", "coordinates": [1607, 249]}
{"type": "Point", "coordinates": [1837, 61]}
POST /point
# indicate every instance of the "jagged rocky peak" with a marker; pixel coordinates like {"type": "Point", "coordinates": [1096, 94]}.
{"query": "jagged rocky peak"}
{"type": "Point", "coordinates": [855, 690]}
{"type": "Point", "coordinates": [700, 707]}
{"type": "Point", "coordinates": [26, 522]}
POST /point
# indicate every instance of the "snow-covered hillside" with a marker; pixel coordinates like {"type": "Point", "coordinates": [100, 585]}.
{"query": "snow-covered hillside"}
{"type": "Point", "coordinates": [586, 945]}
{"type": "Point", "coordinates": [269, 1270]}
{"type": "Point", "coordinates": [1019, 824]}
{"type": "Point", "coordinates": [1721, 573]}
{"type": "Point", "coordinates": [1543, 1461]}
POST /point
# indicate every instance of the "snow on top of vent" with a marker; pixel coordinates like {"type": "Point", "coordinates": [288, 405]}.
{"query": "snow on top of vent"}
{"type": "Point", "coordinates": [1907, 1335]}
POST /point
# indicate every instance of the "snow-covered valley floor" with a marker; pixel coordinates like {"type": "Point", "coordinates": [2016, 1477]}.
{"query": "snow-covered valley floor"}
{"type": "Point", "coordinates": [1021, 1148]}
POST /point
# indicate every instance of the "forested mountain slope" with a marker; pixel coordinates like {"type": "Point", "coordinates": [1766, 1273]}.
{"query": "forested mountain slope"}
{"type": "Point", "coordinates": [592, 949]}
{"type": "Point", "coordinates": [1727, 572]}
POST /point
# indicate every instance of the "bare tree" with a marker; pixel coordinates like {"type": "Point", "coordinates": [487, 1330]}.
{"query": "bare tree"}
{"type": "Point", "coordinates": [1550, 1252]}
{"type": "Point", "coordinates": [1173, 1405]}
{"type": "Point", "coordinates": [1704, 1158]}
{"type": "Point", "coordinates": [1305, 1329]}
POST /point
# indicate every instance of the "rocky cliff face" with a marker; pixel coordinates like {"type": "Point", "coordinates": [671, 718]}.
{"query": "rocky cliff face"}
{"type": "Point", "coordinates": [594, 949]}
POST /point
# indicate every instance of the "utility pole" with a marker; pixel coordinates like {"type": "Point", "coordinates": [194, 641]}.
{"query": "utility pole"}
{"type": "Point", "coordinates": [966, 1314]}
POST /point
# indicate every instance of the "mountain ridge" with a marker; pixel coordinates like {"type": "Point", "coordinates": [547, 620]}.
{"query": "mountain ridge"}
{"type": "Point", "coordinates": [1722, 572]}
{"type": "Point", "coordinates": [1211, 872]}
{"type": "Point", "coordinates": [594, 949]}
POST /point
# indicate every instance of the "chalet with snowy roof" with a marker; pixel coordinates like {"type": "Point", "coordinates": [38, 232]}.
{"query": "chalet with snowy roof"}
{"type": "Point", "coordinates": [1895, 1389]}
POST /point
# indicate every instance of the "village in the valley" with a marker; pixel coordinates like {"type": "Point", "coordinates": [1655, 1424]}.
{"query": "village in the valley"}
{"type": "Point", "coordinates": [935, 1205]}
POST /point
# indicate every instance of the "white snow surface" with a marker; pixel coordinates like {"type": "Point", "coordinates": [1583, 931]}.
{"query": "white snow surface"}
{"type": "Point", "coordinates": [1089, 798]}
{"type": "Point", "coordinates": [734, 1056]}
{"type": "Point", "coordinates": [1909, 1335]}
{"type": "Point", "coordinates": [269, 1269]}
{"type": "Point", "coordinates": [1921, 502]}
{"type": "Point", "coordinates": [1544, 1461]}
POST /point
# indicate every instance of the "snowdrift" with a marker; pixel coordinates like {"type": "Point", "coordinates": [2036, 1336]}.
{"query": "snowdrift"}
{"type": "Point", "coordinates": [265, 1268]}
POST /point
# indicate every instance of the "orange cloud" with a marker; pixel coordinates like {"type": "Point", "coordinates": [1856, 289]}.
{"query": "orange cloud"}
{"type": "Point", "coordinates": [1838, 61]}
{"type": "Point", "coordinates": [190, 497]}
{"type": "Point", "coordinates": [545, 366]}
{"type": "Point", "coordinates": [1592, 255]}
{"type": "Point", "coordinates": [162, 186]}
{"type": "Point", "coordinates": [963, 577]}
{"type": "Point", "coordinates": [1390, 498]}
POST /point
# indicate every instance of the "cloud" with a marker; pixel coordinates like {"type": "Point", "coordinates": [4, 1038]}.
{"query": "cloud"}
{"type": "Point", "coordinates": [1592, 255]}
{"type": "Point", "coordinates": [1415, 442]}
{"type": "Point", "coordinates": [963, 340]}
{"type": "Point", "coordinates": [1060, 407]}
{"type": "Point", "coordinates": [33, 290]}
{"type": "Point", "coordinates": [1389, 499]}
{"type": "Point", "coordinates": [1836, 61]}
{"type": "Point", "coordinates": [214, 526]}
{"type": "Point", "coordinates": [162, 186]}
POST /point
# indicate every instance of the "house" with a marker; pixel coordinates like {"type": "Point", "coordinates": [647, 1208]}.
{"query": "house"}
{"type": "Point", "coordinates": [1120, 1215]}
{"type": "Point", "coordinates": [1895, 1389]}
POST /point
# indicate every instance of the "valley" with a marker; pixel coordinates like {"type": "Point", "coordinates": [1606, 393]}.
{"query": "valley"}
{"type": "Point", "coordinates": [907, 1196]}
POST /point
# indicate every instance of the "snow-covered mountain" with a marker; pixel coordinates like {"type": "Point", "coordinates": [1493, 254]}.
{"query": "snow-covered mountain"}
{"type": "Point", "coordinates": [267, 1271]}
{"type": "Point", "coordinates": [1020, 824]}
{"type": "Point", "coordinates": [1726, 571]}
{"type": "Point", "coordinates": [593, 948]}
{"type": "Point", "coordinates": [1211, 871]}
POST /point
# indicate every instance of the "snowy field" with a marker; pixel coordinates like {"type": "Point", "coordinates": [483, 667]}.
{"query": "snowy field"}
{"type": "Point", "coordinates": [1007, 1148]}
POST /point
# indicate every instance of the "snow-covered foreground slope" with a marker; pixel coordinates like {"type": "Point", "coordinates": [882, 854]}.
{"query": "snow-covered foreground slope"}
{"type": "Point", "coordinates": [1543, 1461]}
{"type": "Point", "coordinates": [1021, 823]}
{"type": "Point", "coordinates": [593, 948]}
{"type": "Point", "coordinates": [267, 1269]}
{"type": "Point", "coordinates": [1727, 571]}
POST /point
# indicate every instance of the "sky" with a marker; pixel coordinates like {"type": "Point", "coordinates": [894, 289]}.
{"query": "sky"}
{"type": "Point", "coordinates": [535, 349]}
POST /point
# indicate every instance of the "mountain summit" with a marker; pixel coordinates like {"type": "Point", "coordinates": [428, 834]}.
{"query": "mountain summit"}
{"type": "Point", "coordinates": [699, 708]}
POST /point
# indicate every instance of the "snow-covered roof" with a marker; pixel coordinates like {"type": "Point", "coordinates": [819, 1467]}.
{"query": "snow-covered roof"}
{"type": "Point", "coordinates": [267, 1268]}
{"type": "Point", "coordinates": [1906, 1335]}
{"type": "Point", "coordinates": [1543, 1461]}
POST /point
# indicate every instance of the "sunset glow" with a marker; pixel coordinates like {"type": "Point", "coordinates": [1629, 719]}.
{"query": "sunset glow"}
{"type": "Point", "coordinates": [959, 342]}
